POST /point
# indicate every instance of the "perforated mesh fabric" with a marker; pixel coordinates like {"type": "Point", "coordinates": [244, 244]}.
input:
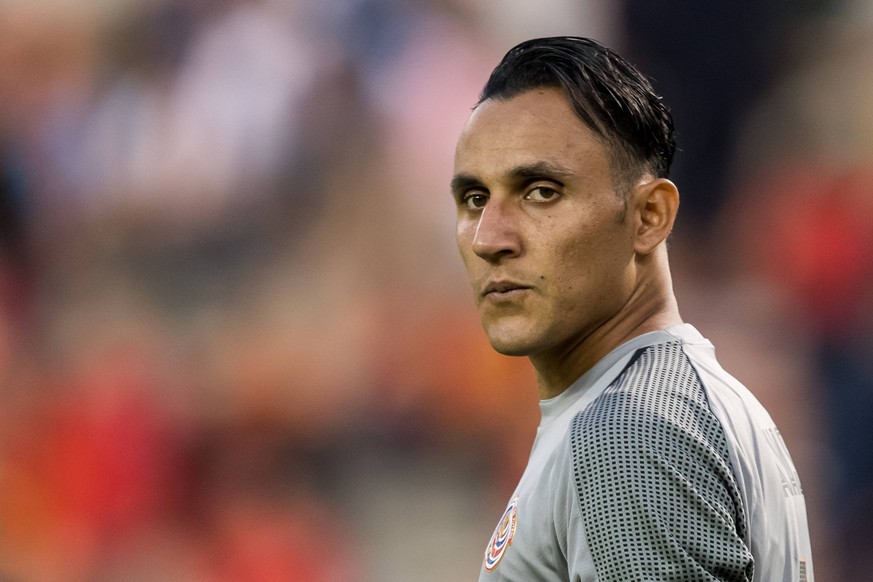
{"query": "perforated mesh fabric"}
{"type": "Point", "coordinates": [657, 494]}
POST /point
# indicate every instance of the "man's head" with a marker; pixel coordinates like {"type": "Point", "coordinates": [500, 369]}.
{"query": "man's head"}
{"type": "Point", "coordinates": [556, 245]}
{"type": "Point", "coordinates": [608, 94]}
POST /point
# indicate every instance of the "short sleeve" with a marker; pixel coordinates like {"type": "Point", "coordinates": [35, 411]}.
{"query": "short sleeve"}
{"type": "Point", "coordinates": [656, 493]}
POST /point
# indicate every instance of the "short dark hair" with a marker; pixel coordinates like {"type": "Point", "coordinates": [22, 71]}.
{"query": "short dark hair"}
{"type": "Point", "coordinates": [608, 94]}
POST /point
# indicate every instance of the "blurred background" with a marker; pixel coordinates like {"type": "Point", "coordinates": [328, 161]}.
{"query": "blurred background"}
{"type": "Point", "coordinates": [236, 342]}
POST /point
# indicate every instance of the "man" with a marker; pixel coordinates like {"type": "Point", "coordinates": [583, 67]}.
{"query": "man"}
{"type": "Point", "coordinates": [650, 462]}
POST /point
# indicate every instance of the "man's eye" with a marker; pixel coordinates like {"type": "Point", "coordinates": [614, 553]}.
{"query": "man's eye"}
{"type": "Point", "coordinates": [542, 194]}
{"type": "Point", "coordinates": [475, 201]}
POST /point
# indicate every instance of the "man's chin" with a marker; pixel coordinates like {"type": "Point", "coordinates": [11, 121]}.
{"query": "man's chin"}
{"type": "Point", "coordinates": [510, 346]}
{"type": "Point", "coordinates": [508, 351]}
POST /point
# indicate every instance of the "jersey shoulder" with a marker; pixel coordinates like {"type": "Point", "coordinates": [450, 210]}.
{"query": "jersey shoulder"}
{"type": "Point", "coordinates": [657, 399]}
{"type": "Point", "coordinates": [653, 475]}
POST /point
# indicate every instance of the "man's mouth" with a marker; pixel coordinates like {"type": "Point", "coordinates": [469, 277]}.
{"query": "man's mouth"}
{"type": "Point", "coordinates": [503, 289]}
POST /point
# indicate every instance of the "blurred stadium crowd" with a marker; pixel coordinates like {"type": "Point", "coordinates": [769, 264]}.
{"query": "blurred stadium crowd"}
{"type": "Point", "coordinates": [236, 342]}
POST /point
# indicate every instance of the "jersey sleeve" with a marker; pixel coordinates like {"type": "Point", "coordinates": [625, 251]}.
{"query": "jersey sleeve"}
{"type": "Point", "coordinates": [656, 493]}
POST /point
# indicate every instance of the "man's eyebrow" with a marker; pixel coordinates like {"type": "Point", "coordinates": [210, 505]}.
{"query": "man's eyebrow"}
{"type": "Point", "coordinates": [462, 182]}
{"type": "Point", "coordinates": [539, 170]}
{"type": "Point", "coordinates": [523, 173]}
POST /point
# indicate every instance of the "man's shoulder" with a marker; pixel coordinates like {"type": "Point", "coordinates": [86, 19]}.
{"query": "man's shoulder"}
{"type": "Point", "coordinates": [651, 471]}
{"type": "Point", "coordinates": [658, 383]}
{"type": "Point", "coordinates": [656, 405]}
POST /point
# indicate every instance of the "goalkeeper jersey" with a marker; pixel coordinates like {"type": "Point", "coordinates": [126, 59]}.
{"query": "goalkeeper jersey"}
{"type": "Point", "coordinates": [656, 465]}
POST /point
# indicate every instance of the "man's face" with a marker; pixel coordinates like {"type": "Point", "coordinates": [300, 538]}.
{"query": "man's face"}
{"type": "Point", "coordinates": [542, 231]}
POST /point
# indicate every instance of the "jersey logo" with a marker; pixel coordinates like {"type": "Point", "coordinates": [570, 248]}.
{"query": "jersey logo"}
{"type": "Point", "coordinates": [790, 480]}
{"type": "Point", "coordinates": [502, 536]}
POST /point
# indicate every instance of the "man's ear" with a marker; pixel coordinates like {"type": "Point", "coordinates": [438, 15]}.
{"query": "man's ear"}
{"type": "Point", "coordinates": [657, 202]}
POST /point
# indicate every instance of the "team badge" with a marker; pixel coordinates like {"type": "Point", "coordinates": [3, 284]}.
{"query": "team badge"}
{"type": "Point", "coordinates": [502, 536]}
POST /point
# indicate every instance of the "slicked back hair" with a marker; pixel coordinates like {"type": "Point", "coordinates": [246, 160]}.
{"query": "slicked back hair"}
{"type": "Point", "coordinates": [608, 94]}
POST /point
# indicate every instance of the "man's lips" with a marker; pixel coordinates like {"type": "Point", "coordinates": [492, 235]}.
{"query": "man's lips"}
{"type": "Point", "coordinates": [501, 289]}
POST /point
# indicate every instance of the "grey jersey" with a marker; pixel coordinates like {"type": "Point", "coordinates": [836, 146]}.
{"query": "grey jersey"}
{"type": "Point", "coordinates": [654, 465]}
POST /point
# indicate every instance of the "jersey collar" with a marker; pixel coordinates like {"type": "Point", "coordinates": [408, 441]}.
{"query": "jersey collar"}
{"type": "Point", "coordinates": [602, 374]}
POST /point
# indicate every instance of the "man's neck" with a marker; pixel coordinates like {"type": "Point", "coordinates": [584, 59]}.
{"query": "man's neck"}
{"type": "Point", "coordinates": [556, 372]}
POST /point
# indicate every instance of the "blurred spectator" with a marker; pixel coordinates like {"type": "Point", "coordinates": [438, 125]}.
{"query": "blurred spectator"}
{"type": "Point", "coordinates": [710, 62]}
{"type": "Point", "coordinates": [801, 221]}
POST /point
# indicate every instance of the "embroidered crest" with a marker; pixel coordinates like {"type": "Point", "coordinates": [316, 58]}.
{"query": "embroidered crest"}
{"type": "Point", "coordinates": [502, 536]}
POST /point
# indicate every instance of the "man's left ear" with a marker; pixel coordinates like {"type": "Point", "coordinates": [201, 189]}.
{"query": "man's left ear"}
{"type": "Point", "coordinates": [657, 202]}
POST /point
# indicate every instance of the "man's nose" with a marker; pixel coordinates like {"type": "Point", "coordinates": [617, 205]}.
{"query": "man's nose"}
{"type": "Point", "coordinates": [497, 235]}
